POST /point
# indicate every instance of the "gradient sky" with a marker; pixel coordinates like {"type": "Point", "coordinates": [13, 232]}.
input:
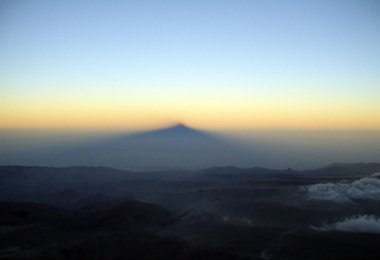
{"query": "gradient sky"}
{"type": "Point", "coordinates": [211, 64]}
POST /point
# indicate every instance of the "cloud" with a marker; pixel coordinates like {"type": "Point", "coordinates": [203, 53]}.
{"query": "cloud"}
{"type": "Point", "coordinates": [357, 224]}
{"type": "Point", "coordinates": [364, 188]}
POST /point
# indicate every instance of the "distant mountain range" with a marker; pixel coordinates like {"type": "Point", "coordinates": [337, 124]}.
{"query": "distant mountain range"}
{"type": "Point", "coordinates": [52, 179]}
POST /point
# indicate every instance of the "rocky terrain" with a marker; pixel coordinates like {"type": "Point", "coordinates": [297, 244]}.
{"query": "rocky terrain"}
{"type": "Point", "coordinates": [216, 213]}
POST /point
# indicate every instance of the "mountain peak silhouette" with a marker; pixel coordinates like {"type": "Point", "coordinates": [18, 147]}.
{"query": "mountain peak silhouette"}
{"type": "Point", "coordinates": [174, 147]}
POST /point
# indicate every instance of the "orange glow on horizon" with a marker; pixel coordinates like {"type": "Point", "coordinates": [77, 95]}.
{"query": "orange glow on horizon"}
{"type": "Point", "coordinates": [206, 116]}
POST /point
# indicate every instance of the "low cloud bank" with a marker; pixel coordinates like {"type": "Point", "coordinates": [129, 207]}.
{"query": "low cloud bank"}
{"type": "Point", "coordinates": [357, 224]}
{"type": "Point", "coordinates": [364, 188]}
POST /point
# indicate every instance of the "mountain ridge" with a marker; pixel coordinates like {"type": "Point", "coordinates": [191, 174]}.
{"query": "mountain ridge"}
{"type": "Point", "coordinates": [374, 166]}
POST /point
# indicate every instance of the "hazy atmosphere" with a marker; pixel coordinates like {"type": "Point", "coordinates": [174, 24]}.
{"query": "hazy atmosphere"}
{"type": "Point", "coordinates": [298, 149]}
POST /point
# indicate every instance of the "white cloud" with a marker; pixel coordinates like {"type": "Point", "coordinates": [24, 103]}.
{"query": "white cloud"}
{"type": "Point", "coordinates": [358, 224]}
{"type": "Point", "coordinates": [364, 188]}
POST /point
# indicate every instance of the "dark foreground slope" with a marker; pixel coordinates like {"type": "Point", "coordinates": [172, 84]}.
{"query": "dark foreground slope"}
{"type": "Point", "coordinates": [137, 230]}
{"type": "Point", "coordinates": [218, 213]}
{"type": "Point", "coordinates": [126, 231]}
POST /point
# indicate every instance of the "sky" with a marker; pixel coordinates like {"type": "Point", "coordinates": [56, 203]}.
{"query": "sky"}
{"type": "Point", "coordinates": [211, 64]}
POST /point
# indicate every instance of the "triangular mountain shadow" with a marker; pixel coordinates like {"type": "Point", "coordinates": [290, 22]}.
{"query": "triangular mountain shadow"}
{"type": "Point", "coordinates": [176, 131]}
{"type": "Point", "coordinates": [175, 147]}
